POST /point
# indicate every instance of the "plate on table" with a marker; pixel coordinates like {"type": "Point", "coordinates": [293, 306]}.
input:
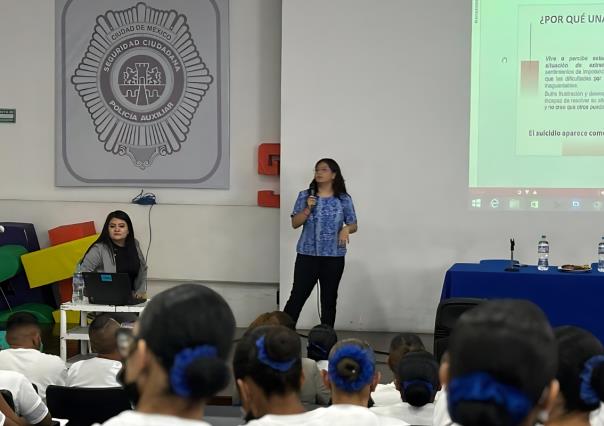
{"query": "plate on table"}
{"type": "Point", "coordinates": [574, 268]}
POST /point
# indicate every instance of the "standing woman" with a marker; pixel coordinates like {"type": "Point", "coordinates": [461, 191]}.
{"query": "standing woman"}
{"type": "Point", "coordinates": [326, 212]}
{"type": "Point", "coordinates": [116, 250]}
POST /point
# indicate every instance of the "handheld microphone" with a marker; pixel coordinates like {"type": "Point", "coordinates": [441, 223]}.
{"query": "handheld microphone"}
{"type": "Point", "coordinates": [312, 192]}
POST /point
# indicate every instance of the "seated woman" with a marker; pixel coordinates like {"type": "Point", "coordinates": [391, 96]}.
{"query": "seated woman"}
{"type": "Point", "coordinates": [417, 379]}
{"type": "Point", "coordinates": [352, 376]}
{"type": "Point", "coordinates": [267, 367]}
{"type": "Point", "coordinates": [502, 365]}
{"type": "Point", "coordinates": [176, 357]}
{"type": "Point", "coordinates": [400, 345]}
{"type": "Point", "coordinates": [313, 390]}
{"type": "Point", "coordinates": [581, 377]}
{"type": "Point", "coordinates": [268, 372]}
{"type": "Point", "coordinates": [116, 250]}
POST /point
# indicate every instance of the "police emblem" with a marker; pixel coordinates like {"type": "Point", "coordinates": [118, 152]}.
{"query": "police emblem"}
{"type": "Point", "coordinates": [142, 80]}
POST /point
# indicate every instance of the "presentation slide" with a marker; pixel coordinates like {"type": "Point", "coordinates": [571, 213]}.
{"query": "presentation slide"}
{"type": "Point", "coordinates": [537, 105]}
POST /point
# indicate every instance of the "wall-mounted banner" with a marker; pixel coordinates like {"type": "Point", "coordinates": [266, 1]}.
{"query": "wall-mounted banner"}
{"type": "Point", "coordinates": [142, 95]}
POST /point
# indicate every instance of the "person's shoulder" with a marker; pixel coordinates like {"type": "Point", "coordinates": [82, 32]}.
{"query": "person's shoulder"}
{"type": "Point", "coordinates": [128, 417]}
{"type": "Point", "coordinates": [52, 360]}
{"type": "Point", "coordinates": [345, 197]}
{"type": "Point", "coordinates": [12, 376]}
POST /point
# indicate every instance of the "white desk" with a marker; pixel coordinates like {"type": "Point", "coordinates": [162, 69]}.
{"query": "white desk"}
{"type": "Point", "coordinates": [81, 333]}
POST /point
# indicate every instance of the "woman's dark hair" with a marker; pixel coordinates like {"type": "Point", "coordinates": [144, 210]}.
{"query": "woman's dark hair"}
{"type": "Point", "coordinates": [417, 374]}
{"type": "Point", "coordinates": [321, 338]}
{"type": "Point", "coordinates": [575, 349]}
{"type": "Point", "coordinates": [176, 324]}
{"type": "Point", "coordinates": [509, 345]}
{"type": "Point", "coordinates": [351, 365]}
{"type": "Point", "coordinates": [400, 345]}
{"type": "Point", "coordinates": [339, 187]}
{"type": "Point", "coordinates": [270, 356]}
{"type": "Point", "coordinates": [106, 239]}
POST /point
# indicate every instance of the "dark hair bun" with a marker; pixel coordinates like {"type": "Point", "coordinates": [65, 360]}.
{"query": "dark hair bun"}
{"type": "Point", "coordinates": [206, 376]}
{"type": "Point", "coordinates": [476, 413]}
{"type": "Point", "coordinates": [281, 344]}
{"type": "Point", "coordinates": [418, 394]}
{"type": "Point", "coordinates": [597, 380]}
{"type": "Point", "coordinates": [348, 369]}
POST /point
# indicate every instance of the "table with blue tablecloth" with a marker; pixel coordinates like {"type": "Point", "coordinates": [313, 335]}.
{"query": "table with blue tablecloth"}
{"type": "Point", "coordinates": [567, 298]}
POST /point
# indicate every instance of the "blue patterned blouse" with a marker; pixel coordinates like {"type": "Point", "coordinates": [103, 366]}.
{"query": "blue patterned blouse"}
{"type": "Point", "coordinates": [320, 231]}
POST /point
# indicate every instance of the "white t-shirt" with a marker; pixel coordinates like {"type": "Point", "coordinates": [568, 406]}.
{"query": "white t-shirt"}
{"type": "Point", "coordinates": [28, 403]}
{"type": "Point", "coordinates": [335, 415]}
{"type": "Point", "coordinates": [135, 418]}
{"type": "Point", "coordinates": [441, 410]}
{"type": "Point", "coordinates": [385, 395]}
{"type": "Point", "coordinates": [407, 412]}
{"type": "Point", "coordinates": [597, 417]}
{"type": "Point", "coordinates": [41, 369]}
{"type": "Point", "coordinates": [94, 373]}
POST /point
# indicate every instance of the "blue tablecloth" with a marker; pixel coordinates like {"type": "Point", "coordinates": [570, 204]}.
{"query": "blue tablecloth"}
{"type": "Point", "coordinates": [567, 298]}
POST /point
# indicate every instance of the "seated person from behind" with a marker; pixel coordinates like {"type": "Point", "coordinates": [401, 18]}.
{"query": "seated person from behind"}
{"type": "Point", "coordinates": [24, 356]}
{"type": "Point", "coordinates": [321, 339]}
{"type": "Point", "coordinates": [28, 406]}
{"type": "Point", "coordinates": [116, 250]}
{"type": "Point", "coordinates": [417, 379]}
{"type": "Point", "coordinates": [313, 389]}
{"type": "Point", "coordinates": [100, 371]}
{"type": "Point", "coordinates": [401, 344]}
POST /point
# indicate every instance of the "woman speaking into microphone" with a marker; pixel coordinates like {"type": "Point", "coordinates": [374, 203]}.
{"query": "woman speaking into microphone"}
{"type": "Point", "coordinates": [326, 213]}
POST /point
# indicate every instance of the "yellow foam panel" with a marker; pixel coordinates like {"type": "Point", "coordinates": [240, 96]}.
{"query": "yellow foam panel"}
{"type": "Point", "coordinates": [55, 263]}
{"type": "Point", "coordinates": [73, 317]}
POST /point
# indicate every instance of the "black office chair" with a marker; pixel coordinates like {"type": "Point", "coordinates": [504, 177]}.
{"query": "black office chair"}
{"type": "Point", "coordinates": [86, 406]}
{"type": "Point", "coordinates": [449, 310]}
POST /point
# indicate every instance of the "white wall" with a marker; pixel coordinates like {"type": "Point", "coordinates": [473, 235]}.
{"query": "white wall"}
{"type": "Point", "coordinates": [210, 235]}
{"type": "Point", "coordinates": [383, 87]}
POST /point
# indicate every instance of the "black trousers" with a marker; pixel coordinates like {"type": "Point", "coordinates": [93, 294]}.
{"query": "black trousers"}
{"type": "Point", "coordinates": [308, 269]}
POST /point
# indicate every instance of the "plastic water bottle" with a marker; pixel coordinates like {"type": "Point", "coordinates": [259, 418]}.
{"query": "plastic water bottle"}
{"type": "Point", "coordinates": [543, 253]}
{"type": "Point", "coordinates": [77, 296]}
{"type": "Point", "coordinates": [601, 256]}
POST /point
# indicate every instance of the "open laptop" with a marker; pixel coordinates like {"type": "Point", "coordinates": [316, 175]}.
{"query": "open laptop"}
{"type": "Point", "coordinates": [108, 288]}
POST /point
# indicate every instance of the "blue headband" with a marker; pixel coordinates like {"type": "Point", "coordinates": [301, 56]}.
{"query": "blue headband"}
{"type": "Point", "coordinates": [587, 393]}
{"type": "Point", "coordinates": [365, 360]}
{"type": "Point", "coordinates": [182, 360]}
{"type": "Point", "coordinates": [263, 357]}
{"type": "Point", "coordinates": [484, 388]}
{"type": "Point", "coordinates": [425, 383]}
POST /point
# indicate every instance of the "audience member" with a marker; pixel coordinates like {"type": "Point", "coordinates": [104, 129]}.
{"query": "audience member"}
{"type": "Point", "coordinates": [351, 376]}
{"type": "Point", "coordinates": [581, 377]}
{"type": "Point", "coordinates": [313, 390]}
{"type": "Point", "coordinates": [321, 339]}
{"type": "Point", "coordinates": [24, 338]}
{"type": "Point", "coordinates": [503, 364]}
{"type": "Point", "coordinates": [417, 379]}
{"type": "Point", "coordinates": [268, 372]}
{"type": "Point", "coordinates": [100, 371]}
{"type": "Point", "coordinates": [388, 394]}
{"type": "Point", "coordinates": [177, 357]}
{"type": "Point", "coordinates": [28, 406]}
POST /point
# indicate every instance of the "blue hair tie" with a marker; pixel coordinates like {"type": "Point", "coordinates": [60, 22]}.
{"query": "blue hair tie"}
{"type": "Point", "coordinates": [363, 357]}
{"type": "Point", "coordinates": [425, 383]}
{"type": "Point", "coordinates": [182, 360]}
{"type": "Point", "coordinates": [484, 388]}
{"type": "Point", "coordinates": [587, 393]}
{"type": "Point", "coordinates": [263, 357]}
